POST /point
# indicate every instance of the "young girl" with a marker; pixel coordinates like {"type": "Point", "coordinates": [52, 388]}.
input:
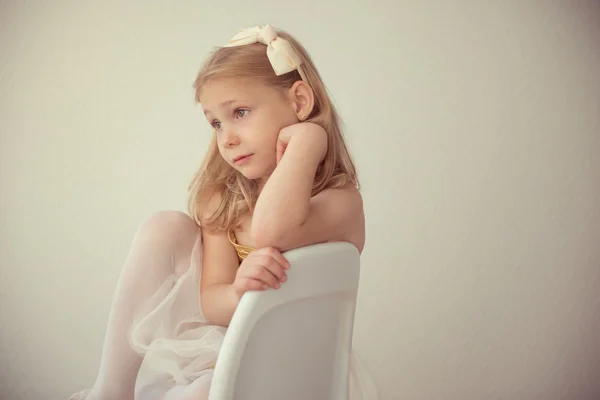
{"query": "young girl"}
{"type": "Point", "coordinates": [277, 176]}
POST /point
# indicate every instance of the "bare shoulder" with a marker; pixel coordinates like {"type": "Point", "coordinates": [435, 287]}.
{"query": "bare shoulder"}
{"type": "Point", "coordinates": [348, 194]}
{"type": "Point", "coordinates": [345, 204]}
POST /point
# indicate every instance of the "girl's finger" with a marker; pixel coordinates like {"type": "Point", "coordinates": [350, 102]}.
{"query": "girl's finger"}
{"type": "Point", "coordinates": [274, 267]}
{"type": "Point", "coordinates": [264, 275]}
{"type": "Point", "coordinates": [250, 284]}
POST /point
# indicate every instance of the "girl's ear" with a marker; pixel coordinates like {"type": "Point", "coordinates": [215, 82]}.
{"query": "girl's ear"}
{"type": "Point", "coordinates": [302, 98]}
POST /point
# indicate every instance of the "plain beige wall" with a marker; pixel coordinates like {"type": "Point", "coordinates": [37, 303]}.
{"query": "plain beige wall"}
{"type": "Point", "coordinates": [476, 129]}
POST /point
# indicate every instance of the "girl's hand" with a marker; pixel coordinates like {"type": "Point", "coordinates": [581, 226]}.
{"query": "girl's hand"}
{"type": "Point", "coordinates": [314, 136]}
{"type": "Point", "coordinates": [262, 269]}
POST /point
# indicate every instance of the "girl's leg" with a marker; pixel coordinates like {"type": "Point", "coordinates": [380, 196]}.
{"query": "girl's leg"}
{"type": "Point", "coordinates": [163, 242]}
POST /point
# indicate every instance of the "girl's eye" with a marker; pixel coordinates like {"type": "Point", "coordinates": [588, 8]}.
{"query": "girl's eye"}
{"type": "Point", "coordinates": [240, 113]}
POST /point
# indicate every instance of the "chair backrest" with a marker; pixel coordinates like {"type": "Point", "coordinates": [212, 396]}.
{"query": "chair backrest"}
{"type": "Point", "coordinates": [294, 343]}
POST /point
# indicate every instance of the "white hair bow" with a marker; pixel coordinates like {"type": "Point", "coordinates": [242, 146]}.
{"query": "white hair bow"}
{"type": "Point", "coordinates": [282, 56]}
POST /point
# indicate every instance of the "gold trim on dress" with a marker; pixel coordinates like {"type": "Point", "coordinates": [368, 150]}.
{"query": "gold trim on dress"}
{"type": "Point", "coordinates": [241, 250]}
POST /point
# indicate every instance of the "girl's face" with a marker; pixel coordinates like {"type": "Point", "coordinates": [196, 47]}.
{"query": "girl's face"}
{"type": "Point", "coordinates": [247, 117]}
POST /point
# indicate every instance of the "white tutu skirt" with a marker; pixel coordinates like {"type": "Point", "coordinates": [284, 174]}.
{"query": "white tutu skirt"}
{"type": "Point", "coordinates": [180, 346]}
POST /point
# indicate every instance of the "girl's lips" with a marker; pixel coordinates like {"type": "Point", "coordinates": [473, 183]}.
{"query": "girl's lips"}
{"type": "Point", "coordinates": [242, 159]}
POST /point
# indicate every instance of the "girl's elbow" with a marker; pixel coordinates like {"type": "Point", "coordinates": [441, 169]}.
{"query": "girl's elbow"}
{"type": "Point", "coordinates": [267, 237]}
{"type": "Point", "coordinates": [265, 232]}
{"type": "Point", "coordinates": [274, 231]}
{"type": "Point", "coordinates": [276, 234]}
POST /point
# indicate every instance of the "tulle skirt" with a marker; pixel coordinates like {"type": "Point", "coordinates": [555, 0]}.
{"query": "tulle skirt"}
{"type": "Point", "coordinates": [180, 346]}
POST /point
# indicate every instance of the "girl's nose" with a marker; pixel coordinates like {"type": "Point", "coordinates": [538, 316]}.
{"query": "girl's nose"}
{"type": "Point", "coordinates": [229, 139]}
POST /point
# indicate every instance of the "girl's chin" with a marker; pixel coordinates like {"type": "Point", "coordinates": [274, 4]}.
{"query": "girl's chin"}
{"type": "Point", "coordinates": [255, 174]}
{"type": "Point", "coordinates": [252, 175]}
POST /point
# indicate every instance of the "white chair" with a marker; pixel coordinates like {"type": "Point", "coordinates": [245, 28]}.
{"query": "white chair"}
{"type": "Point", "coordinates": [294, 343]}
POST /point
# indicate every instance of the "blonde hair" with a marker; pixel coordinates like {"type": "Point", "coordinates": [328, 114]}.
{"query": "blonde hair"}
{"type": "Point", "coordinates": [238, 194]}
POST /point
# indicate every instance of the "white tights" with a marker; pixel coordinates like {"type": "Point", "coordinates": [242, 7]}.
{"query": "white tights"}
{"type": "Point", "coordinates": [161, 249]}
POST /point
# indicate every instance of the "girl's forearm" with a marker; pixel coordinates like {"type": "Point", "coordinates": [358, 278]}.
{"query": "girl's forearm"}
{"type": "Point", "coordinates": [283, 204]}
{"type": "Point", "coordinates": [219, 302]}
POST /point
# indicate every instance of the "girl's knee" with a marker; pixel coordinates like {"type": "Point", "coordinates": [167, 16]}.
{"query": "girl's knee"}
{"type": "Point", "coordinates": [172, 228]}
{"type": "Point", "coordinates": [170, 218]}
